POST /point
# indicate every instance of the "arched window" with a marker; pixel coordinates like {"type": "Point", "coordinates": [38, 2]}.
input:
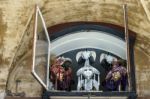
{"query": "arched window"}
{"type": "Point", "coordinates": [68, 39]}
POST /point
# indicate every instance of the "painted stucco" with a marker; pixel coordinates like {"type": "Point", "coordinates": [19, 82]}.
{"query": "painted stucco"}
{"type": "Point", "coordinates": [14, 16]}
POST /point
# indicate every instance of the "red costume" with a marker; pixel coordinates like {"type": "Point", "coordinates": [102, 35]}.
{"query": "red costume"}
{"type": "Point", "coordinates": [61, 74]}
{"type": "Point", "coordinates": [57, 72]}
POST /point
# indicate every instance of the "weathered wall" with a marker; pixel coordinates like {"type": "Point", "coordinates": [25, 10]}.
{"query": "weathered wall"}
{"type": "Point", "coordinates": [142, 61]}
{"type": "Point", "coordinates": [21, 65]}
{"type": "Point", "coordinates": [15, 13]}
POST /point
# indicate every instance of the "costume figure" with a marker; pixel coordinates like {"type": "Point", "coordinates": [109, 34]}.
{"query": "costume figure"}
{"type": "Point", "coordinates": [88, 76]}
{"type": "Point", "coordinates": [116, 77]}
{"type": "Point", "coordinates": [61, 73]}
{"type": "Point", "coordinates": [67, 74]}
{"type": "Point", "coordinates": [56, 73]}
{"type": "Point", "coordinates": [106, 61]}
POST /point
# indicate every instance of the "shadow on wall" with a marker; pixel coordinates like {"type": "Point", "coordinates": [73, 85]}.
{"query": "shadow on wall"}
{"type": "Point", "coordinates": [21, 66]}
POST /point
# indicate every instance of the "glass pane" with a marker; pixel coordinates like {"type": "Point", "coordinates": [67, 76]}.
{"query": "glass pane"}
{"type": "Point", "coordinates": [41, 51]}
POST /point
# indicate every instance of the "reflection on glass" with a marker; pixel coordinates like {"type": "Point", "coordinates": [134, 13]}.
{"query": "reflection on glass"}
{"type": "Point", "coordinates": [41, 51]}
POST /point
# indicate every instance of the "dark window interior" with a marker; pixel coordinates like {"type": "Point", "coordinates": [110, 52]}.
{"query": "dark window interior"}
{"type": "Point", "coordinates": [67, 28]}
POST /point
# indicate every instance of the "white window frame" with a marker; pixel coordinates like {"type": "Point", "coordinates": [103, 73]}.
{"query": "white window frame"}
{"type": "Point", "coordinates": [39, 14]}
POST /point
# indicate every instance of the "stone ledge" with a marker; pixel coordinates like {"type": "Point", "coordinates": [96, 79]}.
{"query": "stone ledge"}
{"type": "Point", "coordinates": [9, 97]}
{"type": "Point", "coordinates": [146, 97]}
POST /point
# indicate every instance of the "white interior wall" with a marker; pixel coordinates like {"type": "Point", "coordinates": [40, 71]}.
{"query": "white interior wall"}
{"type": "Point", "coordinates": [92, 39]}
